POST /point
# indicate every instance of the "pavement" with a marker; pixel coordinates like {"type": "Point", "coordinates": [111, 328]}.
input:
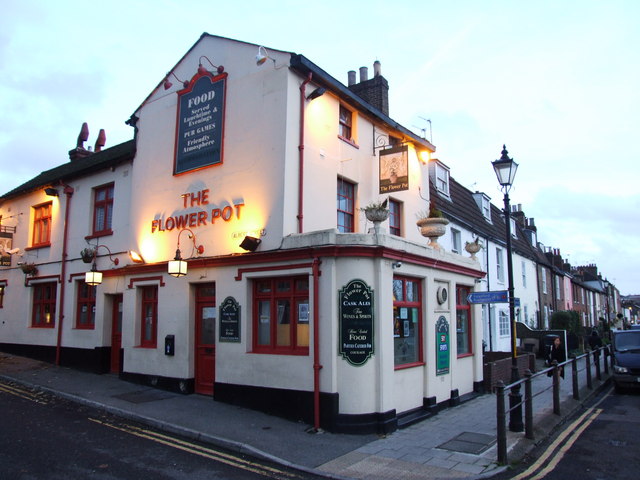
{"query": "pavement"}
{"type": "Point", "coordinates": [458, 442]}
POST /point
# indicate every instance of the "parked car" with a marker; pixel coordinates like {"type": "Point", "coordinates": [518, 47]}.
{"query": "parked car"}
{"type": "Point", "coordinates": [626, 359]}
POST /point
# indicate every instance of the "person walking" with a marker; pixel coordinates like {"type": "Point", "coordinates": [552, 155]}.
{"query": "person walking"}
{"type": "Point", "coordinates": [556, 352]}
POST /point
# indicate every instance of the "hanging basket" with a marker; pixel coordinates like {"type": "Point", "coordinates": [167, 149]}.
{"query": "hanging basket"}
{"type": "Point", "coordinates": [29, 269]}
{"type": "Point", "coordinates": [87, 255]}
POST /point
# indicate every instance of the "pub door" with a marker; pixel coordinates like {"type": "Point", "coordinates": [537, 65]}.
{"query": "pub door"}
{"type": "Point", "coordinates": [116, 333]}
{"type": "Point", "coordinates": [205, 347]}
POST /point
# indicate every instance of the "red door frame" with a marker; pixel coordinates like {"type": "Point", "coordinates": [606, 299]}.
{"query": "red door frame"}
{"type": "Point", "coordinates": [205, 353]}
{"type": "Point", "coordinates": [116, 334]}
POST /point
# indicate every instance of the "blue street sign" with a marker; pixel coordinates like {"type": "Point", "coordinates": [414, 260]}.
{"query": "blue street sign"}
{"type": "Point", "coordinates": [516, 302]}
{"type": "Point", "coordinates": [499, 296]}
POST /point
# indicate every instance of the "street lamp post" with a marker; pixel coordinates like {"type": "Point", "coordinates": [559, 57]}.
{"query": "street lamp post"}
{"type": "Point", "coordinates": [505, 169]}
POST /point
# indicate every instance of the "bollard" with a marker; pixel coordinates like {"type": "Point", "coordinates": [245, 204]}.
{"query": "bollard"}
{"type": "Point", "coordinates": [501, 417]}
{"type": "Point", "coordinates": [556, 388]}
{"type": "Point", "coordinates": [605, 358]}
{"type": "Point", "coordinates": [574, 378]}
{"type": "Point", "coordinates": [528, 406]}
{"type": "Point", "coordinates": [589, 381]}
{"type": "Point", "coordinates": [596, 359]}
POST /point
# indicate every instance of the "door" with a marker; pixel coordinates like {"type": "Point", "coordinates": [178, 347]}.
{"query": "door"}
{"type": "Point", "coordinates": [116, 334]}
{"type": "Point", "coordinates": [205, 348]}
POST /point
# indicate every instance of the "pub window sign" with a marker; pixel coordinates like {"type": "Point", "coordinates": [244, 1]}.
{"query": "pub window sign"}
{"type": "Point", "coordinates": [200, 123]}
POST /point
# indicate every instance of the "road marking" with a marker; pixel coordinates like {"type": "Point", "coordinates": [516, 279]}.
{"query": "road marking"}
{"type": "Point", "coordinates": [22, 393]}
{"type": "Point", "coordinates": [573, 435]}
{"type": "Point", "coordinates": [200, 450]}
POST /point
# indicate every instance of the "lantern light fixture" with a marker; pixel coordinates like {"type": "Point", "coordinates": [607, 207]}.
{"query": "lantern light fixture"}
{"type": "Point", "coordinates": [505, 169]}
{"type": "Point", "coordinates": [178, 267]}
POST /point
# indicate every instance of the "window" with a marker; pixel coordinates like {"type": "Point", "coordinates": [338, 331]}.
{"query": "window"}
{"type": "Point", "coordinates": [486, 208]}
{"type": "Point", "coordinates": [41, 225]}
{"type": "Point", "coordinates": [345, 127]}
{"type": "Point", "coordinates": [463, 321]}
{"type": "Point", "coordinates": [102, 210]}
{"type": "Point", "coordinates": [442, 179]}
{"type": "Point", "coordinates": [346, 195]}
{"type": "Point", "coordinates": [499, 265]}
{"type": "Point", "coordinates": [86, 306]}
{"type": "Point", "coordinates": [512, 227]}
{"type": "Point", "coordinates": [557, 280]}
{"type": "Point", "coordinates": [149, 330]}
{"type": "Point", "coordinates": [44, 305]}
{"type": "Point", "coordinates": [407, 327]}
{"type": "Point", "coordinates": [456, 242]}
{"type": "Point", "coordinates": [281, 315]}
{"type": "Point", "coordinates": [544, 281]}
{"type": "Point", "coordinates": [503, 323]}
{"type": "Point", "coordinates": [2, 296]}
{"type": "Point", "coordinates": [524, 273]}
{"type": "Point", "coordinates": [394, 217]}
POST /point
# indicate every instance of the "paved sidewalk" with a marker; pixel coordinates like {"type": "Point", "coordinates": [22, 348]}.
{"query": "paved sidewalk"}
{"type": "Point", "coordinates": [458, 442]}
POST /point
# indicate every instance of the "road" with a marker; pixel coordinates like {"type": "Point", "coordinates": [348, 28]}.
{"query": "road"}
{"type": "Point", "coordinates": [601, 442]}
{"type": "Point", "coordinates": [46, 437]}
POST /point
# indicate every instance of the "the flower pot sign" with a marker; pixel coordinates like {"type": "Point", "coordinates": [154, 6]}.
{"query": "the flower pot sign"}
{"type": "Point", "coordinates": [355, 313]}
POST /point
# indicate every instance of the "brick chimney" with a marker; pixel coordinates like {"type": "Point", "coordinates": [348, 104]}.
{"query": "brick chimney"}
{"type": "Point", "coordinates": [374, 91]}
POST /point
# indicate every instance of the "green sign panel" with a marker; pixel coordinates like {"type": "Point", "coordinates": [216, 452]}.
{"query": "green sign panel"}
{"type": "Point", "coordinates": [442, 346]}
{"type": "Point", "coordinates": [355, 312]}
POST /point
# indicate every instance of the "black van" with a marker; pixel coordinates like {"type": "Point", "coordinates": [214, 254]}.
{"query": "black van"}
{"type": "Point", "coordinates": [626, 359]}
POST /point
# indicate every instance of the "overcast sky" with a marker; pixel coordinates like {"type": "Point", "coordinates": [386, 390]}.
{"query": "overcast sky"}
{"type": "Point", "coordinates": [556, 81]}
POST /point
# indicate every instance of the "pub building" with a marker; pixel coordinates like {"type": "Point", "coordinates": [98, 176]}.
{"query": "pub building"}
{"type": "Point", "coordinates": [225, 250]}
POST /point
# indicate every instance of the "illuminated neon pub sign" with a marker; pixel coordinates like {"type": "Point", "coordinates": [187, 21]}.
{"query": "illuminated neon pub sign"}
{"type": "Point", "coordinates": [200, 123]}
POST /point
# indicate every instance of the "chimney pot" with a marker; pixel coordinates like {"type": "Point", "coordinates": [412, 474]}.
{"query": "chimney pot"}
{"type": "Point", "coordinates": [351, 75]}
{"type": "Point", "coordinates": [377, 69]}
{"type": "Point", "coordinates": [364, 74]}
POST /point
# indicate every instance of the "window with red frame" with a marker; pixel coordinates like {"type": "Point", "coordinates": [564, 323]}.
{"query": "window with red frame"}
{"type": "Point", "coordinates": [102, 210]}
{"type": "Point", "coordinates": [2, 296]}
{"type": "Point", "coordinates": [86, 306]}
{"type": "Point", "coordinates": [463, 321]}
{"type": "Point", "coordinates": [149, 330]}
{"type": "Point", "coordinates": [407, 325]}
{"type": "Point", "coordinates": [41, 225]}
{"type": "Point", "coordinates": [394, 217]}
{"type": "Point", "coordinates": [44, 305]}
{"type": "Point", "coordinates": [345, 123]}
{"type": "Point", "coordinates": [281, 315]}
{"type": "Point", "coordinates": [346, 204]}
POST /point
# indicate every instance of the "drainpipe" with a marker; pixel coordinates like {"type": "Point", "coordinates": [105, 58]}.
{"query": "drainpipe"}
{"type": "Point", "coordinates": [316, 344]}
{"type": "Point", "coordinates": [68, 191]}
{"type": "Point", "coordinates": [301, 152]}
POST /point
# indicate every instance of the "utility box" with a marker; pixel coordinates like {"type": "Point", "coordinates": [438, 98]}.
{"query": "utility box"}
{"type": "Point", "coordinates": [170, 345]}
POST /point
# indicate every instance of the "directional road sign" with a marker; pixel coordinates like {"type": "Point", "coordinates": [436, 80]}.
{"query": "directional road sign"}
{"type": "Point", "coordinates": [498, 296]}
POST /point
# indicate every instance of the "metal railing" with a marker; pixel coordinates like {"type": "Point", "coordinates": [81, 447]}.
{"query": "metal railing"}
{"type": "Point", "coordinates": [588, 360]}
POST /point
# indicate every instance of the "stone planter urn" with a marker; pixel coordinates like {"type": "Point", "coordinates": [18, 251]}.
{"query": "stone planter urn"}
{"type": "Point", "coordinates": [376, 213]}
{"type": "Point", "coordinates": [433, 228]}
{"type": "Point", "coordinates": [473, 248]}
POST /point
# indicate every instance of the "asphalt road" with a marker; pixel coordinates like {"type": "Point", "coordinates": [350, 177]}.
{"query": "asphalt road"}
{"type": "Point", "coordinates": [45, 437]}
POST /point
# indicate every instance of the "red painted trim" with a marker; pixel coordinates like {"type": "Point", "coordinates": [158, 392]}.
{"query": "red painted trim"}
{"type": "Point", "coordinates": [63, 269]}
{"type": "Point", "coordinates": [409, 365]}
{"type": "Point", "coordinates": [37, 247]}
{"type": "Point", "coordinates": [145, 279]}
{"type": "Point", "coordinates": [350, 142]}
{"type": "Point", "coordinates": [74, 276]}
{"type": "Point", "coordinates": [30, 280]}
{"type": "Point", "coordinates": [316, 343]}
{"type": "Point", "coordinates": [242, 271]}
{"type": "Point", "coordinates": [4, 283]}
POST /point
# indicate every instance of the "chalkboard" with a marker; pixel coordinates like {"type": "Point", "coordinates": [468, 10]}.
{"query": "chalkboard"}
{"type": "Point", "coordinates": [356, 322]}
{"type": "Point", "coordinates": [229, 320]}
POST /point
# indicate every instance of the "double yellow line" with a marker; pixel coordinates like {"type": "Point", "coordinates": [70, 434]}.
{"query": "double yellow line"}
{"type": "Point", "coordinates": [37, 397]}
{"type": "Point", "coordinates": [202, 451]}
{"type": "Point", "coordinates": [553, 454]}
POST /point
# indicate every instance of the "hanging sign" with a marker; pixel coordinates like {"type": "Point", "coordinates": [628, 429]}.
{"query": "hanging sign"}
{"type": "Point", "coordinates": [442, 346]}
{"type": "Point", "coordinates": [6, 244]}
{"type": "Point", "coordinates": [229, 320]}
{"type": "Point", "coordinates": [200, 123]}
{"type": "Point", "coordinates": [394, 169]}
{"type": "Point", "coordinates": [355, 313]}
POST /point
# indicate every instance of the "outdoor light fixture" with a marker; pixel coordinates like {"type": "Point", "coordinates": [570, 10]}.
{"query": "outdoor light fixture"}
{"type": "Point", "coordinates": [505, 169]}
{"type": "Point", "coordinates": [52, 192]}
{"type": "Point", "coordinates": [262, 56]}
{"type": "Point", "coordinates": [168, 84]}
{"type": "Point", "coordinates": [202, 70]}
{"type": "Point", "coordinates": [318, 92]}
{"type": "Point", "coordinates": [135, 256]}
{"type": "Point", "coordinates": [94, 277]}
{"type": "Point", "coordinates": [250, 243]}
{"type": "Point", "coordinates": [178, 267]}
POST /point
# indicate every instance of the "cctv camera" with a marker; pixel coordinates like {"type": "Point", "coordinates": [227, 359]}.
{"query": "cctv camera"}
{"type": "Point", "coordinates": [396, 264]}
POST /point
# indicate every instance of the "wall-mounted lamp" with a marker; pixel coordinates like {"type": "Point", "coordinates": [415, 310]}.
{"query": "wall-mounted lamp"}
{"type": "Point", "coordinates": [94, 277]}
{"type": "Point", "coordinates": [202, 70]}
{"type": "Point", "coordinates": [250, 244]}
{"type": "Point", "coordinates": [52, 192]}
{"type": "Point", "coordinates": [178, 267]}
{"type": "Point", "coordinates": [262, 56]}
{"type": "Point", "coordinates": [318, 92]}
{"type": "Point", "coordinates": [168, 84]}
{"type": "Point", "coordinates": [135, 256]}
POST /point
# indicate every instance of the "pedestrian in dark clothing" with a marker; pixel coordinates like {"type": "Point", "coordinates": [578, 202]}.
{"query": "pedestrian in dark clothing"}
{"type": "Point", "coordinates": [556, 352]}
{"type": "Point", "coordinates": [595, 341]}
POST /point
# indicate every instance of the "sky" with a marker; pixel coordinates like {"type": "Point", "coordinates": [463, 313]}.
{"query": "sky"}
{"type": "Point", "coordinates": [557, 82]}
